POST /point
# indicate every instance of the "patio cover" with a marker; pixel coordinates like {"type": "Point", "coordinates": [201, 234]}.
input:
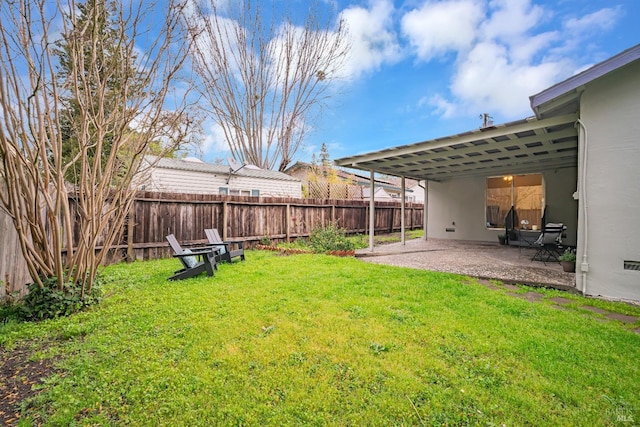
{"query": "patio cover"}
{"type": "Point", "coordinates": [524, 146]}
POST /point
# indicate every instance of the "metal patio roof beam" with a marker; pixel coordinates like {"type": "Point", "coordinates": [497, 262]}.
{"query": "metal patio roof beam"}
{"type": "Point", "coordinates": [501, 145]}
{"type": "Point", "coordinates": [528, 125]}
{"type": "Point", "coordinates": [530, 153]}
{"type": "Point", "coordinates": [494, 170]}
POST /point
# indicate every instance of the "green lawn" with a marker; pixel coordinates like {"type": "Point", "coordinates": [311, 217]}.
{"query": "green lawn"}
{"type": "Point", "coordinates": [320, 340]}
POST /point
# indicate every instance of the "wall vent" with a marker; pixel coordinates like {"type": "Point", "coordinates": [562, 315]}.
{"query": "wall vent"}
{"type": "Point", "coordinates": [632, 265]}
{"type": "Point", "coordinates": [453, 230]}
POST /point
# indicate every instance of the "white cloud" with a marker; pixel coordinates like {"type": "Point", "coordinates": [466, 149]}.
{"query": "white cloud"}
{"type": "Point", "coordinates": [436, 28]}
{"type": "Point", "coordinates": [603, 19]}
{"type": "Point", "coordinates": [487, 80]}
{"type": "Point", "coordinates": [443, 107]}
{"type": "Point", "coordinates": [509, 19]}
{"type": "Point", "coordinates": [501, 56]}
{"type": "Point", "coordinates": [373, 41]}
{"type": "Point", "coordinates": [214, 139]}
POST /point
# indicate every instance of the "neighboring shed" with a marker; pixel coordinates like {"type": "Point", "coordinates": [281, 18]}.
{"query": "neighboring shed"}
{"type": "Point", "coordinates": [417, 192]}
{"type": "Point", "coordinates": [378, 194]}
{"type": "Point", "coordinates": [197, 177]}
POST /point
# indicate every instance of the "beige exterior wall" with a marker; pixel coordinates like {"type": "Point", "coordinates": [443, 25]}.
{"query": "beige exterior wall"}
{"type": "Point", "coordinates": [191, 182]}
{"type": "Point", "coordinates": [610, 111]}
{"type": "Point", "coordinates": [460, 205]}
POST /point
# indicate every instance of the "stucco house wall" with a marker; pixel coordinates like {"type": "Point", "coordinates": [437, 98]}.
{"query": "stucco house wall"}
{"type": "Point", "coordinates": [610, 112]}
{"type": "Point", "coordinates": [457, 207]}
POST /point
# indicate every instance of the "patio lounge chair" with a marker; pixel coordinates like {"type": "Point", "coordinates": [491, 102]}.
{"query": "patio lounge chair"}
{"type": "Point", "coordinates": [548, 244]}
{"type": "Point", "coordinates": [226, 253]}
{"type": "Point", "coordinates": [194, 261]}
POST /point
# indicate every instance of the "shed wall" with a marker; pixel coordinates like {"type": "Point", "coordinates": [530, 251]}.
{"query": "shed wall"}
{"type": "Point", "coordinates": [191, 182]}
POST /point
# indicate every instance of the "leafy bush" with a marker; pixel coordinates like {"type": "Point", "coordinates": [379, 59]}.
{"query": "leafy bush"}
{"type": "Point", "coordinates": [266, 241]}
{"type": "Point", "coordinates": [569, 255]}
{"type": "Point", "coordinates": [49, 302]}
{"type": "Point", "coordinates": [330, 238]}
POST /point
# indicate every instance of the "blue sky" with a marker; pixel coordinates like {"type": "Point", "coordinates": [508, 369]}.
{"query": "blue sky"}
{"type": "Point", "coordinates": [422, 69]}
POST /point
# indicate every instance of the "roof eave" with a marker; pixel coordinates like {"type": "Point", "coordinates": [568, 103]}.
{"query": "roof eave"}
{"type": "Point", "coordinates": [570, 89]}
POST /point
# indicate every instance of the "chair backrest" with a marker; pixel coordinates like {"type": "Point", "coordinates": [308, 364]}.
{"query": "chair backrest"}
{"type": "Point", "coordinates": [212, 235]}
{"type": "Point", "coordinates": [551, 233]}
{"type": "Point", "coordinates": [189, 261]}
{"type": "Point", "coordinates": [173, 242]}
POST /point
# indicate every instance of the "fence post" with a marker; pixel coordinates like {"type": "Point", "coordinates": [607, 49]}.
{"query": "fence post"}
{"type": "Point", "coordinates": [224, 220]}
{"type": "Point", "coordinates": [130, 230]}
{"type": "Point", "coordinates": [288, 223]}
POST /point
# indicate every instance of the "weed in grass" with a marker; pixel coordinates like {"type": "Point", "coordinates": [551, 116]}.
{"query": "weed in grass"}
{"type": "Point", "coordinates": [266, 330]}
{"type": "Point", "coordinates": [378, 348]}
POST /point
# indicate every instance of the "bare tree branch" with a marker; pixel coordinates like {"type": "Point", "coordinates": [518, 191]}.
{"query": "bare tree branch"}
{"type": "Point", "coordinates": [263, 74]}
{"type": "Point", "coordinates": [86, 90]}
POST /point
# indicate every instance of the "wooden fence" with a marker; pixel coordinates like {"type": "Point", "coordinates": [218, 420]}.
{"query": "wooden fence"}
{"type": "Point", "coordinates": [155, 215]}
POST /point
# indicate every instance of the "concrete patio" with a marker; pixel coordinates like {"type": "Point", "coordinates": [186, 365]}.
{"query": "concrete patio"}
{"type": "Point", "coordinates": [476, 259]}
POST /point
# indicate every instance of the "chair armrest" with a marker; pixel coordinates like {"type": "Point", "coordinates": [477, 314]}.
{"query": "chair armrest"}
{"type": "Point", "coordinates": [199, 251]}
{"type": "Point", "coordinates": [240, 243]}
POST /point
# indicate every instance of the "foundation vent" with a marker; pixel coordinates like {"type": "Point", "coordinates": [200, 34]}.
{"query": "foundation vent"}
{"type": "Point", "coordinates": [632, 265]}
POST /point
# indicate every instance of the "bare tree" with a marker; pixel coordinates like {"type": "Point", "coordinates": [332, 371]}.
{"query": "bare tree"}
{"type": "Point", "coordinates": [264, 74]}
{"type": "Point", "coordinates": [123, 104]}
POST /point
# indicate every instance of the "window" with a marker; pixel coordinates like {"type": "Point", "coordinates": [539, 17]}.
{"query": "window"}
{"type": "Point", "coordinates": [238, 192]}
{"type": "Point", "coordinates": [523, 192]}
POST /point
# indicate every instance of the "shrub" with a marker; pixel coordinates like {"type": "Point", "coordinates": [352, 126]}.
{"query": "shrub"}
{"type": "Point", "coordinates": [569, 255]}
{"type": "Point", "coordinates": [266, 241]}
{"type": "Point", "coordinates": [330, 238]}
{"type": "Point", "coordinates": [48, 302]}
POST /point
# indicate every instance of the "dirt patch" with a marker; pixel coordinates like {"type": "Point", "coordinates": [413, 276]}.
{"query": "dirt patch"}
{"type": "Point", "coordinates": [19, 376]}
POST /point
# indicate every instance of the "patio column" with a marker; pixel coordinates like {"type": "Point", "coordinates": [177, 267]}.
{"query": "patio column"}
{"type": "Point", "coordinates": [372, 211]}
{"type": "Point", "coordinates": [402, 209]}
{"type": "Point", "coordinates": [425, 211]}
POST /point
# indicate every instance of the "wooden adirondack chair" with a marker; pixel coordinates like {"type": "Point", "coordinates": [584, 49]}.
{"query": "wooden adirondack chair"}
{"type": "Point", "coordinates": [194, 260]}
{"type": "Point", "coordinates": [226, 253]}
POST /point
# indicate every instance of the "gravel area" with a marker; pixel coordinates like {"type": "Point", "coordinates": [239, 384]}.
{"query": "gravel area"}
{"type": "Point", "coordinates": [476, 259]}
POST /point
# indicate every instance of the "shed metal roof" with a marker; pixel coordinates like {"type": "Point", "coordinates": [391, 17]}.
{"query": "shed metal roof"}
{"type": "Point", "coordinates": [202, 167]}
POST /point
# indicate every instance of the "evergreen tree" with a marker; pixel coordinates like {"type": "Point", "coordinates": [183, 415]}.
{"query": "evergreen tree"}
{"type": "Point", "coordinates": [95, 52]}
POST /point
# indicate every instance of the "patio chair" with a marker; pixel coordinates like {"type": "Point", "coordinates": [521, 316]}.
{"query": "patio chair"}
{"type": "Point", "coordinates": [510, 222]}
{"type": "Point", "coordinates": [226, 253]}
{"type": "Point", "coordinates": [194, 260]}
{"type": "Point", "coordinates": [548, 244]}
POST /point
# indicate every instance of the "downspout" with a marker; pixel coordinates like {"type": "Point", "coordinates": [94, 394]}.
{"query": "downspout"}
{"type": "Point", "coordinates": [582, 146]}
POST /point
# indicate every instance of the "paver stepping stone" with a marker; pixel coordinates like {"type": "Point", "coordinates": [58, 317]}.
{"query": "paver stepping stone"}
{"type": "Point", "coordinates": [594, 309]}
{"type": "Point", "coordinates": [560, 300]}
{"type": "Point", "coordinates": [531, 296]}
{"type": "Point", "coordinates": [512, 287]}
{"type": "Point", "coordinates": [487, 283]}
{"type": "Point", "coordinates": [622, 317]}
